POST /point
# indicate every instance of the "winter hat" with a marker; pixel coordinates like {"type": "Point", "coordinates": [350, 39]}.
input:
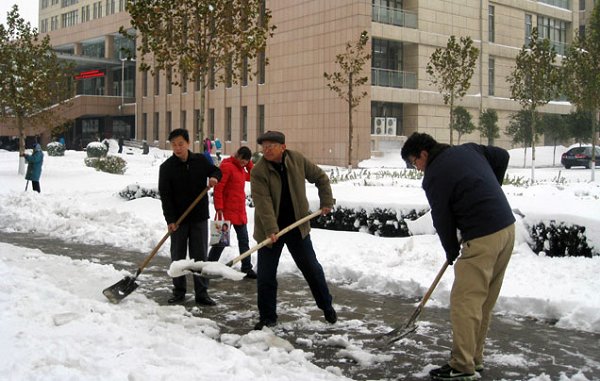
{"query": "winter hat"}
{"type": "Point", "coordinates": [38, 147]}
{"type": "Point", "coordinates": [271, 136]}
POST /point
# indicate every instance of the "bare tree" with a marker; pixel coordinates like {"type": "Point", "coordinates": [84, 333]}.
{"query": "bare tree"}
{"type": "Point", "coordinates": [534, 81]}
{"type": "Point", "coordinates": [582, 75]}
{"type": "Point", "coordinates": [214, 40]}
{"type": "Point", "coordinates": [451, 69]}
{"type": "Point", "coordinates": [35, 85]}
{"type": "Point", "coordinates": [347, 81]}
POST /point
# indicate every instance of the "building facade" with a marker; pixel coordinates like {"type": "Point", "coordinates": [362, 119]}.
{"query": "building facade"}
{"type": "Point", "coordinates": [291, 94]}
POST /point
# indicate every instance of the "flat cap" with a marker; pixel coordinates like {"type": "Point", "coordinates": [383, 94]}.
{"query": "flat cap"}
{"type": "Point", "coordinates": [271, 136]}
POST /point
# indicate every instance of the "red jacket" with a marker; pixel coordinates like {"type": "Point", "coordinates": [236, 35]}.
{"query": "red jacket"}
{"type": "Point", "coordinates": [229, 194]}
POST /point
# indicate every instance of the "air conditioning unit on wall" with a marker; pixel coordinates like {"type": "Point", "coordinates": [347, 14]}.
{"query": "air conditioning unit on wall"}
{"type": "Point", "coordinates": [379, 128]}
{"type": "Point", "coordinates": [390, 126]}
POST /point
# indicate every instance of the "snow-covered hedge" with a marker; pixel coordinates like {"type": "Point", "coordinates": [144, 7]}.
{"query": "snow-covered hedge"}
{"type": "Point", "coordinates": [559, 240]}
{"type": "Point", "coordinates": [379, 222]}
{"type": "Point", "coordinates": [110, 164]}
{"type": "Point", "coordinates": [55, 149]}
{"type": "Point", "coordinates": [96, 149]}
{"type": "Point", "coordinates": [133, 191]}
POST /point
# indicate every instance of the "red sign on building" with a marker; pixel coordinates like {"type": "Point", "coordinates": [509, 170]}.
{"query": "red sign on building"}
{"type": "Point", "coordinates": [89, 74]}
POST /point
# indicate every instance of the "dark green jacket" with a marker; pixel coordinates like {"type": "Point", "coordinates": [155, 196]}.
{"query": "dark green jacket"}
{"type": "Point", "coordinates": [266, 192]}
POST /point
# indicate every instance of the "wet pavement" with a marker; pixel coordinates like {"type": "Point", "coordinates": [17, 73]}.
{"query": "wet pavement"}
{"type": "Point", "coordinates": [517, 348]}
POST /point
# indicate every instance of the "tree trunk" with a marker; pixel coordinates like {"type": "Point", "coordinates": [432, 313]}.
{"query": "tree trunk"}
{"type": "Point", "coordinates": [594, 127]}
{"type": "Point", "coordinates": [202, 110]}
{"type": "Point", "coordinates": [533, 122]}
{"type": "Point", "coordinates": [21, 128]}
{"type": "Point", "coordinates": [451, 117]}
{"type": "Point", "coordinates": [350, 129]}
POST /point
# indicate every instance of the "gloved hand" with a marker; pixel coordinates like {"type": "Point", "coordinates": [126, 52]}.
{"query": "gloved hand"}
{"type": "Point", "coordinates": [451, 257]}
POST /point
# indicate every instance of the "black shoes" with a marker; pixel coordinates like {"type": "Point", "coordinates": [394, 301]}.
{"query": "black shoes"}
{"type": "Point", "coordinates": [250, 274]}
{"type": "Point", "coordinates": [205, 300]}
{"type": "Point", "coordinates": [446, 372]}
{"type": "Point", "coordinates": [176, 299]}
{"type": "Point", "coordinates": [330, 316]}
{"type": "Point", "coordinates": [264, 323]}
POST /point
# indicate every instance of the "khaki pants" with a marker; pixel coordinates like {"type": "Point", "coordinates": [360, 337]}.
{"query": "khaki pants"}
{"type": "Point", "coordinates": [478, 273]}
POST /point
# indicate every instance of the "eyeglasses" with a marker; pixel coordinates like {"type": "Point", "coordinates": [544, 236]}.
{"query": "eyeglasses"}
{"type": "Point", "coordinates": [413, 161]}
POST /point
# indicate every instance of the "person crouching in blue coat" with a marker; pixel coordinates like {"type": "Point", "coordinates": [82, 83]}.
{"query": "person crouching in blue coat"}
{"type": "Point", "coordinates": [34, 167]}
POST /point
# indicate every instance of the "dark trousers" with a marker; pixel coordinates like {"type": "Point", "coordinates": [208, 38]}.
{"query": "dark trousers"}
{"type": "Point", "coordinates": [243, 244]}
{"type": "Point", "coordinates": [36, 186]}
{"type": "Point", "coordinates": [195, 236]}
{"type": "Point", "coordinates": [305, 258]}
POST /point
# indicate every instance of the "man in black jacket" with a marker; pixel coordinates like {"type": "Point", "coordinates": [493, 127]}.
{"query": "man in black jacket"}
{"type": "Point", "coordinates": [182, 177]}
{"type": "Point", "coordinates": [463, 187]}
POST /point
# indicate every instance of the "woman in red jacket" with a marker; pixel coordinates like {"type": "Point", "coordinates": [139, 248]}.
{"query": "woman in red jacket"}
{"type": "Point", "coordinates": [230, 203]}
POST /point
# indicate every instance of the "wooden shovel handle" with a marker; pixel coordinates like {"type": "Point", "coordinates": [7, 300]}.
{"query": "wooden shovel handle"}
{"type": "Point", "coordinates": [169, 232]}
{"type": "Point", "coordinates": [417, 312]}
{"type": "Point", "coordinates": [279, 234]}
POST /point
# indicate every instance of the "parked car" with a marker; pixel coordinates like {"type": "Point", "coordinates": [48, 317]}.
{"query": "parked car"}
{"type": "Point", "coordinates": [579, 157]}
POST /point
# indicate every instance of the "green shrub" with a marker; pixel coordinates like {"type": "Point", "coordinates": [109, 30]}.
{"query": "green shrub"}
{"type": "Point", "coordinates": [55, 149]}
{"type": "Point", "coordinates": [96, 149]}
{"type": "Point", "coordinates": [109, 164]}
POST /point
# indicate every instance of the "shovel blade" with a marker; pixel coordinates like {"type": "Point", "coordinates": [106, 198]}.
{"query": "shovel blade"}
{"type": "Point", "coordinates": [120, 290]}
{"type": "Point", "coordinates": [387, 339]}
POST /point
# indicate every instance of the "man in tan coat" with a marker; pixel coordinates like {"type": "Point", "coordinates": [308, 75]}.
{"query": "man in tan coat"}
{"type": "Point", "coordinates": [279, 195]}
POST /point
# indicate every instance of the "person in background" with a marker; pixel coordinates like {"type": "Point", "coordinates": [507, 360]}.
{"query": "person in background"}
{"type": "Point", "coordinates": [218, 147]}
{"type": "Point", "coordinates": [229, 198]}
{"type": "Point", "coordinates": [463, 186]}
{"type": "Point", "coordinates": [121, 142]}
{"type": "Point", "coordinates": [279, 195]}
{"type": "Point", "coordinates": [34, 167]}
{"type": "Point", "coordinates": [182, 177]}
{"type": "Point", "coordinates": [206, 150]}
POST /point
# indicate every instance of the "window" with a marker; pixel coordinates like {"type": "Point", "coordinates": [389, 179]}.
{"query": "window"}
{"type": "Point", "coordinates": [244, 128]}
{"type": "Point", "coordinates": [169, 125]}
{"type": "Point", "coordinates": [528, 27]}
{"type": "Point", "coordinates": [69, 18]}
{"type": "Point", "coordinates": [196, 132]}
{"type": "Point", "coordinates": [211, 75]}
{"type": "Point", "coordinates": [211, 123]}
{"type": "Point", "coordinates": [182, 119]}
{"type": "Point", "coordinates": [229, 73]}
{"type": "Point", "coordinates": [145, 83]}
{"type": "Point", "coordinates": [245, 71]}
{"type": "Point", "coordinates": [260, 123]}
{"type": "Point", "coordinates": [582, 5]}
{"type": "Point", "coordinates": [184, 82]}
{"type": "Point", "coordinates": [554, 30]}
{"type": "Point", "coordinates": [582, 31]}
{"type": "Point", "coordinates": [491, 74]}
{"type": "Point", "coordinates": [170, 81]}
{"type": "Point", "coordinates": [157, 82]}
{"type": "Point", "coordinates": [156, 126]}
{"type": "Point", "coordinates": [261, 67]}
{"type": "Point", "coordinates": [144, 126]}
{"type": "Point", "coordinates": [228, 128]}
{"type": "Point", "coordinates": [492, 24]}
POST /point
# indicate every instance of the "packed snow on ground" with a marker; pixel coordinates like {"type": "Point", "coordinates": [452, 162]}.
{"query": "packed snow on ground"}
{"type": "Point", "coordinates": [56, 324]}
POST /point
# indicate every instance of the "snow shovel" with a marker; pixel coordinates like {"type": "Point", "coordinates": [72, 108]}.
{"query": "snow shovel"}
{"type": "Point", "coordinates": [410, 326]}
{"type": "Point", "coordinates": [213, 270]}
{"type": "Point", "coordinates": [127, 285]}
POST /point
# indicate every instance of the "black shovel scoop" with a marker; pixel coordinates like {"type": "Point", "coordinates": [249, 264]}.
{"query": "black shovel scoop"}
{"type": "Point", "coordinates": [127, 285]}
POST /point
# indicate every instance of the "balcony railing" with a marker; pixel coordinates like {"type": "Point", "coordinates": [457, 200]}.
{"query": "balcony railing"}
{"type": "Point", "coordinates": [393, 16]}
{"type": "Point", "coordinates": [393, 78]}
{"type": "Point", "coordinates": [565, 4]}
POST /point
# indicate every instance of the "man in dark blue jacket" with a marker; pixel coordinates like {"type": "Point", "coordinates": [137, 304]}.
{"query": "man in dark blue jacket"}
{"type": "Point", "coordinates": [463, 187]}
{"type": "Point", "coordinates": [182, 177]}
